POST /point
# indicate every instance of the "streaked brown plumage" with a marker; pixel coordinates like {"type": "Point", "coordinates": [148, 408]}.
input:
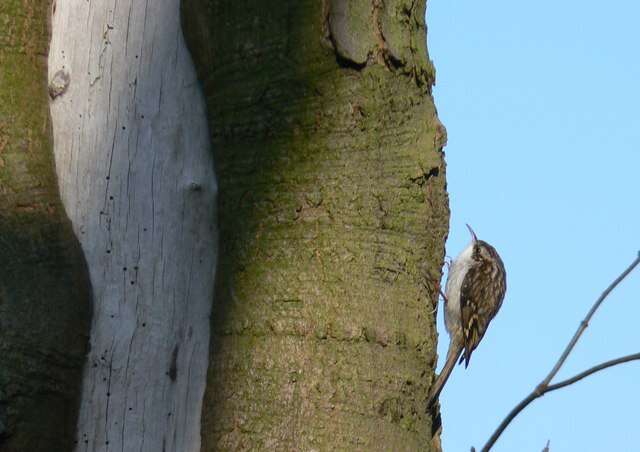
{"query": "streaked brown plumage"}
{"type": "Point", "coordinates": [475, 288]}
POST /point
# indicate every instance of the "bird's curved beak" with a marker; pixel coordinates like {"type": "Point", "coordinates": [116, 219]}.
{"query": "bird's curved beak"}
{"type": "Point", "coordinates": [473, 234]}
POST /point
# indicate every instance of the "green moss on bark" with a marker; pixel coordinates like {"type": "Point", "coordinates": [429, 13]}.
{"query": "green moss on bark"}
{"type": "Point", "coordinates": [44, 294]}
{"type": "Point", "coordinates": [333, 216]}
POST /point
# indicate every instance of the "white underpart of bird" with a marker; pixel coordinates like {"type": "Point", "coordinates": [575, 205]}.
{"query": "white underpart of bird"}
{"type": "Point", "coordinates": [453, 317]}
{"type": "Point", "coordinates": [457, 271]}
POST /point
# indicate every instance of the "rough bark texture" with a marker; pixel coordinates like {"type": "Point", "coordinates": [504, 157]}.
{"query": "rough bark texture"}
{"type": "Point", "coordinates": [44, 291]}
{"type": "Point", "coordinates": [333, 217]}
{"type": "Point", "coordinates": [136, 176]}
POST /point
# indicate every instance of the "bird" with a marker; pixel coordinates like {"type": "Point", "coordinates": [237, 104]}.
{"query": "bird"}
{"type": "Point", "coordinates": [475, 288]}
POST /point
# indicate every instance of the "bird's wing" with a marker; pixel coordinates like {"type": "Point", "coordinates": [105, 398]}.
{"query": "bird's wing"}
{"type": "Point", "coordinates": [477, 306]}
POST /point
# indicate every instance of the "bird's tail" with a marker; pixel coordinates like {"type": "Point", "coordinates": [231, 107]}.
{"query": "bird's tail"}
{"type": "Point", "coordinates": [452, 356]}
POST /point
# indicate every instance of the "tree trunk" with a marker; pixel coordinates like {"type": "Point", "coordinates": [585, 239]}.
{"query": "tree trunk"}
{"type": "Point", "coordinates": [44, 291]}
{"type": "Point", "coordinates": [136, 177]}
{"type": "Point", "coordinates": [333, 217]}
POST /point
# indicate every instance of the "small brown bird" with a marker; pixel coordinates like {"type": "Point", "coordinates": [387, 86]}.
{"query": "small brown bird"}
{"type": "Point", "coordinates": [473, 295]}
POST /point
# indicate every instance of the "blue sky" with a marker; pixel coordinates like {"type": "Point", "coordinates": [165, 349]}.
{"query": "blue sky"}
{"type": "Point", "coordinates": [541, 103]}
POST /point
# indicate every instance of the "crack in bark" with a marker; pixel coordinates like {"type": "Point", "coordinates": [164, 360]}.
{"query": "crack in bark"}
{"type": "Point", "coordinates": [173, 367]}
{"type": "Point", "coordinates": [385, 56]}
{"type": "Point", "coordinates": [424, 177]}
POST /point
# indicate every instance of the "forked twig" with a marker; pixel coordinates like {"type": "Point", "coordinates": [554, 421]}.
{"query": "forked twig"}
{"type": "Point", "coordinates": [544, 386]}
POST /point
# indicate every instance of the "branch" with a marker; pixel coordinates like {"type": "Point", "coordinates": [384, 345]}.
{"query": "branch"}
{"type": "Point", "coordinates": [534, 395]}
{"type": "Point", "coordinates": [585, 323]}
{"type": "Point", "coordinates": [544, 386]}
{"type": "Point", "coordinates": [593, 370]}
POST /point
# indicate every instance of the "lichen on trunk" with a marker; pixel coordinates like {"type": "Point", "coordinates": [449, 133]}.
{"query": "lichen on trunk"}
{"type": "Point", "coordinates": [333, 217]}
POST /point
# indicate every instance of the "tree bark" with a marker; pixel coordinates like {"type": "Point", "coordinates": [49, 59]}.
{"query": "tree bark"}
{"type": "Point", "coordinates": [44, 290]}
{"type": "Point", "coordinates": [333, 218]}
{"type": "Point", "coordinates": [136, 177]}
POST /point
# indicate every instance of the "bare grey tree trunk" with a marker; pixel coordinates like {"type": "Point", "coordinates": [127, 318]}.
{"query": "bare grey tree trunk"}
{"type": "Point", "coordinates": [136, 176]}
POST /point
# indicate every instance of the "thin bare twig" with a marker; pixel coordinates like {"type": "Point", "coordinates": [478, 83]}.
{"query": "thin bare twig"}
{"type": "Point", "coordinates": [585, 323]}
{"type": "Point", "coordinates": [593, 370]}
{"type": "Point", "coordinates": [534, 395]}
{"type": "Point", "coordinates": [544, 386]}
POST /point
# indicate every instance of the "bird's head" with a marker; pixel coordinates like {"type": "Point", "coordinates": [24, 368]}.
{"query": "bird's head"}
{"type": "Point", "coordinates": [481, 249]}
